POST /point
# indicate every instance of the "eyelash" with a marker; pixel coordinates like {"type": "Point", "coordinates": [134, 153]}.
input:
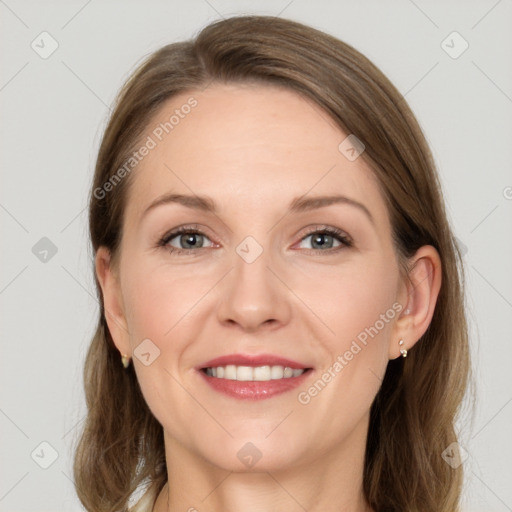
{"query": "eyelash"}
{"type": "Point", "coordinates": [334, 232]}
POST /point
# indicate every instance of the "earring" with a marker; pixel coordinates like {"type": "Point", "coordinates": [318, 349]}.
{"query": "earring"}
{"type": "Point", "coordinates": [403, 351]}
{"type": "Point", "coordinates": [125, 360]}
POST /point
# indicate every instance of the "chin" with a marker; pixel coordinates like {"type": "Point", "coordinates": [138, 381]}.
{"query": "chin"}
{"type": "Point", "coordinates": [253, 453]}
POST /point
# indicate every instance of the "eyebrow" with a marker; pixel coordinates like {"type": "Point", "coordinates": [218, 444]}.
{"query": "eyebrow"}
{"type": "Point", "coordinates": [299, 204]}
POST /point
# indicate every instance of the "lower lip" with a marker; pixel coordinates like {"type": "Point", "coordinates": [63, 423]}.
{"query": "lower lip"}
{"type": "Point", "coordinates": [254, 390]}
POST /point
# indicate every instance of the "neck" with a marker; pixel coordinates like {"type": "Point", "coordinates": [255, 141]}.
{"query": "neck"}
{"type": "Point", "coordinates": [330, 483]}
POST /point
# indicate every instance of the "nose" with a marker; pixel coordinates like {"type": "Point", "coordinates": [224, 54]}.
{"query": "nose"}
{"type": "Point", "coordinates": [254, 296]}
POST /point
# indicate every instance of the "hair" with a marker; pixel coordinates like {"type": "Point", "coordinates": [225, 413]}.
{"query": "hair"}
{"type": "Point", "coordinates": [413, 415]}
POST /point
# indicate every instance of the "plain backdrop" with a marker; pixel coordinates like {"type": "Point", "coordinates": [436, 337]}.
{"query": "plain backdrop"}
{"type": "Point", "coordinates": [53, 112]}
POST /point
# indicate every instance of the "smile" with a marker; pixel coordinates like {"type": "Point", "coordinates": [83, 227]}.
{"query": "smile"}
{"type": "Point", "coordinates": [249, 373]}
{"type": "Point", "coordinates": [254, 376]}
{"type": "Point", "coordinates": [254, 383]}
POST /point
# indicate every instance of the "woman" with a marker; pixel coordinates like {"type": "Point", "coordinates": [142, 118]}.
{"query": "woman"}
{"type": "Point", "coordinates": [282, 323]}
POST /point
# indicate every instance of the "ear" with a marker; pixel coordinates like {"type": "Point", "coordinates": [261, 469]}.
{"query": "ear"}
{"type": "Point", "coordinates": [418, 296]}
{"type": "Point", "coordinates": [108, 278]}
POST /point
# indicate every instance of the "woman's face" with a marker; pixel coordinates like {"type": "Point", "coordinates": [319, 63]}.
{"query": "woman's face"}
{"type": "Point", "coordinates": [255, 279]}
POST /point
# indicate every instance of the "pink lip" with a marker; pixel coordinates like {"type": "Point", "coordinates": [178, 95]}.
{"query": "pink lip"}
{"type": "Point", "coordinates": [252, 360]}
{"type": "Point", "coordinates": [253, 390]}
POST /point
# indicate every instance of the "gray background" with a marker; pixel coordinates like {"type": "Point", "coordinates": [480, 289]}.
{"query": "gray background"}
{"type": "Point", "coordinates": [54, 111]}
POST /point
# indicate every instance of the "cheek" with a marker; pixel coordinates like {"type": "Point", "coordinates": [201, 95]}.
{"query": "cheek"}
{"type": "Point", "coordinates": [352, 298]}
{"type": "Point", "coordinates": [157, 300]}
{"type": "Point", "coordinates": [161, 306]}
{"type": "Point", "coordinates": [360, 314]}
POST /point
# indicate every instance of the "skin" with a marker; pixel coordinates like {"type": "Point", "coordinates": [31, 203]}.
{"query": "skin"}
{"type": "Point", "coordinates": [253, 149]}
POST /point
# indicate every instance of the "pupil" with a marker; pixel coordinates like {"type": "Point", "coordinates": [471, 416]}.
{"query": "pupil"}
{"type": "Point", "coordinates": [190, 239]}
{"type": "Point", "coordinates": [320, 240]}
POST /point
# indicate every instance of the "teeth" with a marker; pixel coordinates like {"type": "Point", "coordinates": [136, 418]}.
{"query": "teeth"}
{"type": "Point", "coordinates": [262, 373]}
{"type": "Point", "coordinates": [244, 373]}
{"type": "Point", "coordinates": [251, 373]}
{"type": "Point", "coordinates": [276, 372]}
{"type": "Point", "coordinates": [229, 371]}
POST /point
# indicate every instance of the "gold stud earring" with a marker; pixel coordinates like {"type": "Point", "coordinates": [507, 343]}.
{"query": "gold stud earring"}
{"type": "Point", "coordinates": [403, 351]}
{"type": "Point", "coordinates": [125, 360]}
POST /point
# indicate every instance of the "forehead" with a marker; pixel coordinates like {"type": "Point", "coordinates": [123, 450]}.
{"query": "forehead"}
{"type": "Point", "coordinates": [247, 146]}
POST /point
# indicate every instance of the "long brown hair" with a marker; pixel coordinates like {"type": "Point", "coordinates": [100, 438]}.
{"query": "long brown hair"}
{"type": "Point", "coordinates": [412, 417]}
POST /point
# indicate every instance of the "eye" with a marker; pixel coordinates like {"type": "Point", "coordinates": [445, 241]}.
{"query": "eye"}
{"type": "Point", "coordinates": [327, 238]}
{"type": "Point", "coordinates": [184, 240]}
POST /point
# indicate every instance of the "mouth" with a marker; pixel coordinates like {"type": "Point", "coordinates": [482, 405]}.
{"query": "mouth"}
{"type": "Point", "coordinates": [253, 377]}
{"type": "Point", "coordinates": [253, 374]}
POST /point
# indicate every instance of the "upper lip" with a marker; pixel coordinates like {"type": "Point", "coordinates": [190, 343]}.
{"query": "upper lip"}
{"type": "Point", "coordinates": [252, 360]}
